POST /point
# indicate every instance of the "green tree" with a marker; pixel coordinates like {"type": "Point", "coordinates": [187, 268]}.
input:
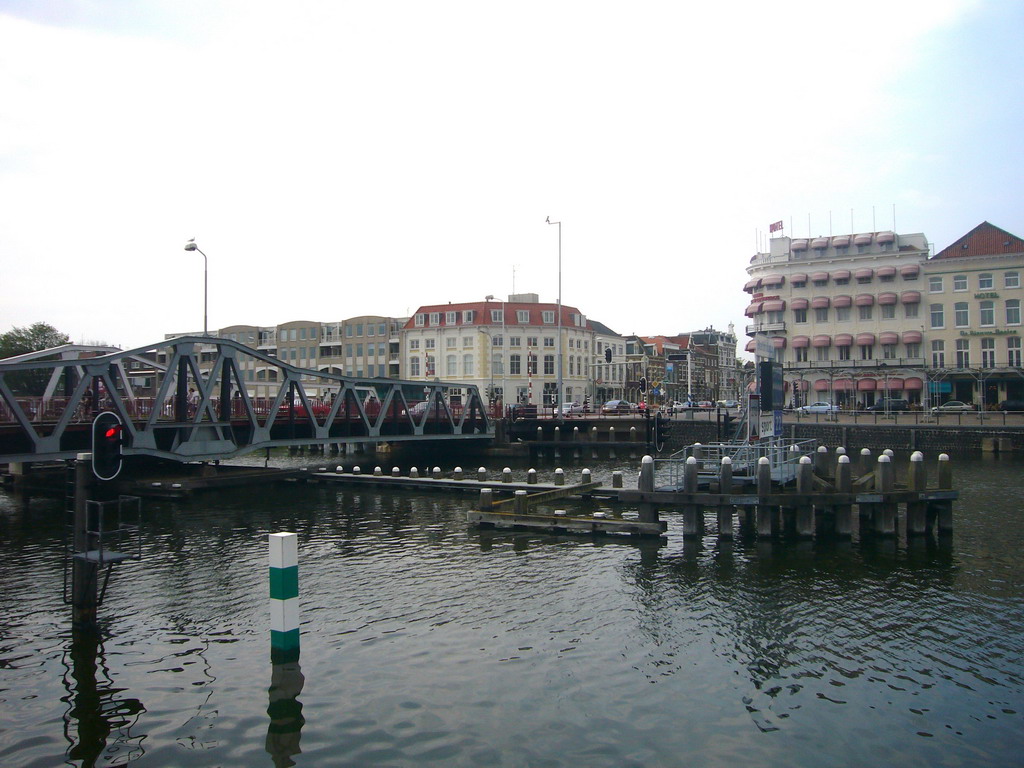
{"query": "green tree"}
{"type": "Point", "coordinates": [19, 341]}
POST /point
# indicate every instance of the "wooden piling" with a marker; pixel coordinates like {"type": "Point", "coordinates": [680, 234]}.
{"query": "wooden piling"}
{"type": "Point", "coordinates": [481, 474]}
{"type": "Point", "coordinates": [945, 508]}
{"type": "Point", "coordinates": [645, 484]}
{"type": "Point", "coordinates": [693, 513]}
{"type": "Point", "coordinates": [916, 481]}
{"type": "Point", "coordinates": [531, 476]}
{"type": "Point", "coordinates": [725, 529]}
{"type": "Point", "coordinates": [616, 479]}
{"type": "Point", "coordinates": [884, 512]}
{"type": "Point", "coordinates": [486, 499]}
{"type": "Point", "coordinates": [821, 461]}
{"type": "Point", "coordinates": [764, 513]}
{"type": "Point", "coordinates": [522, 503]}
{"type": "Point", "coordinates": [804, 509]}
{"type": "Point", "coordinates": [844, 485]}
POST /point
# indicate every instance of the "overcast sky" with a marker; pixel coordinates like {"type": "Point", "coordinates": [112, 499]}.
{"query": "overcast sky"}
{"type": "Point", "coordinates": [337, 158]}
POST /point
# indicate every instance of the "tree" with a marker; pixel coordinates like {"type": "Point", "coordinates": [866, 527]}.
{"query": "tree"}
{"type": "Point", "coordinates": [19, 341]}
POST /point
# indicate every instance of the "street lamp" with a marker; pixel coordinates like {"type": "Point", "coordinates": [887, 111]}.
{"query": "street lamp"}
{"type": "Point", "coordinates": [558, 396]}
{"type": "Point", "coordinates": [191, 246]}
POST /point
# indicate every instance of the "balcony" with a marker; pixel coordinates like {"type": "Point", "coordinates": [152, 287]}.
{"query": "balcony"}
{"type": "Point", "coordinates": [766, 328]}
{"type": "Point", "coordinates": [892, 365]}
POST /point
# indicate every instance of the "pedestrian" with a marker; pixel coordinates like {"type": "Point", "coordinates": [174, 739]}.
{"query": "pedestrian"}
{"type": "Point", "coordinates": [193, 401]}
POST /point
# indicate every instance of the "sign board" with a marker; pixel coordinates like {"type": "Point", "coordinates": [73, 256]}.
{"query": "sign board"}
{"type": "Point", "coordinates": [762, 347]}
{"type": "Point", "coordinates": [770, 385]}
{"type": "Point", "coordinates": [766, 424]}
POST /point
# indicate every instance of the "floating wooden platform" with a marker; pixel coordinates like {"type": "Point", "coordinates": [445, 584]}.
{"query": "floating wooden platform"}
{"type": "Point", "coordinates": [565, 524]}
{"type": "Point", "coordinates": [450, 484]}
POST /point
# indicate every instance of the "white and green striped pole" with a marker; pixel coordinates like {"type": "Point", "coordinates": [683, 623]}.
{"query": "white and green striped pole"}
{"type": "Point", "coordinates": [284, 598]}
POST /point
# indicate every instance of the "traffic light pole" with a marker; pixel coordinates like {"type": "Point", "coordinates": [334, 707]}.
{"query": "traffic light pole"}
{"type": "Point", "coordinates": [84, 575]}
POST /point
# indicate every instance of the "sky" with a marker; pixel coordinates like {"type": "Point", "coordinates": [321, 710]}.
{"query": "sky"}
{"type": "Point", "coordinates": [334, 159]}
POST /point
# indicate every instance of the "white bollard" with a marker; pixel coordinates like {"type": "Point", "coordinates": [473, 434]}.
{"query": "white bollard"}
{"type": "Point", "coordinates": [284, 597]}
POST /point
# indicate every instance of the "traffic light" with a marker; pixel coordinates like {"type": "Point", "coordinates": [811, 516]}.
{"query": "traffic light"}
{"type": "Point", "coordinates": [107, 439]}
{"type": "Point", "coordinates": [607, 354]}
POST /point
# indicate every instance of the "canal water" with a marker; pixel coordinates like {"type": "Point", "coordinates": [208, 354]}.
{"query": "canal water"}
{"type": "Point", "coordinates": [426, 643]}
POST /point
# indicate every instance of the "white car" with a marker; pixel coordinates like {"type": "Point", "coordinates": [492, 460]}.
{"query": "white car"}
{"type": "Point", "coordinates": [570, 408]}
{"type": "Point", "coordinates": [953, 406]}
{"type": "Point", "coordinates": [819, 407]}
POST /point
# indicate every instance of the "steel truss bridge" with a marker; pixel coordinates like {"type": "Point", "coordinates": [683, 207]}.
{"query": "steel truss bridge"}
{"type": "Point", "coordinates": [149, 388]}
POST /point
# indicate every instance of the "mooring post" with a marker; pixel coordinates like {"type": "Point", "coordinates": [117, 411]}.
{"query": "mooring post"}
{"type": "Point", "coordinates": [725, 489]}
{"type": "Point", "coordinates": [486, 499]}
{"type": "Point", "coordinates": [506, 475]}
{"type": "Point", "coordinates": [821, 461]}
{"type": "Point", "coordinates": [414, 472]}
{"type": "Point", "coordinates": [284, 597]}
{"type": "Point", "coordinates": [693, 513]}
{"type": "Point", "coordinates": [378, 472]}
{"type": "Point", "coordinates": [436, 474]}
{"type": "Point", "coordinates": [457, 473]}
{"type": "Point", "coordinates": [559, 476]}
{"type": "Point", "coordinates": [585, 476]}
{"type": "Point", "coordinates": [84, 574]}
{"type": "Point", "coordinates": [885, 513]}
{"type": "Point", "coordinates": [531, 476]}
{"type": "Point", "coordinates": [645, 484]}
{"type": "Point", "coordinates": [521, 503]}
{"type": "Point", "coordinates": [916, 481]}
{"type": "Point", "coordinates": [804, 507]}
{"type": "Point", "coordinates": [865, 462]}
{"type": "Point", "coordinates": [764, 516]}
{"type": "Point", "coordinates": [844, 486]}
{"type": "Point", "coordinates": [698, 455]}
{"type": "Point", "coordinates": [617, 479]}
{"type": "Point", "coordinates": [481, 474]}
{"type": "Point", "coordinates": [945, 507]}
{"type": "Point", "coordinates": [396, 472]}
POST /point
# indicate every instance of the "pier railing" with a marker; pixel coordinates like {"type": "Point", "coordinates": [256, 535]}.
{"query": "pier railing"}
{"type": "Point", "coordinates": [783, 458]}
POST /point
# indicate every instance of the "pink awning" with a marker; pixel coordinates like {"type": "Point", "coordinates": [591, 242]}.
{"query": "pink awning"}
{"type": "Point", "coordinates": [841, 242]}
{"type": "Point", "coordinates": [819, 243]}
{"type": "Point", "coordinates": [887, 298]}
{"type": "Point", "coordinates": [799, 304]}
{"type": "Point", "coordinates": [779, 342]}
{"type": "Point", "coordinates": [865, 339]}
{"type": "Point", "coordinates": [892, 384]}
{"type": "Point", "coordinates": [910, 297]}
{"type": "Point", "coordinates": [773, 305]}
{"type": "Point", "coordinates": [841, 274]}
{"type": "Point", "coordinates": [751, 345]}
{"type": "Point", "coordinates": [862, 240]}
{"type": "Point", "coordinates": [864, 300]}
{"type": "Point", "coordinates": [888, 337]}
{"type": "Point", "coordinates": [820, 302]}
{"type": "Point", "coordinates": [885, 237]}
{"type": "Point", "coordinates": [910, 270]}
{"type": "Point", "coordinates": [841, 385]}
{"type": "Point", "coordinates": [772, 280]}
{"type": "Point", "coordinates": [798, 245]}
{"type": "Point", "coordinates": [799, 342]}
{"type": "Point", "coordinates": [913, 383]}
{"type": "Point", "coordinates": [819, 276]}
{"type": "Point", "coordinates": [863, 273]}
{"type": "Point", "coordinates": [867, 385]}
{"type": "Point", "coordinates": [753, 308]}
{"type": "Point", "coordinates": [844, 340]}
{"type": "Point", "coordinates": [750, 285]}
{"type": "Point", "coordinates": [841, 301]}
{"type": "Point", "coordinates": [886, 272]}
{"type": "Point", "coordinates": [821, 340]}
{"type": "Point", "coordinates": [912, 337]}
{"type": "Point", "coordinates": [821, 385]}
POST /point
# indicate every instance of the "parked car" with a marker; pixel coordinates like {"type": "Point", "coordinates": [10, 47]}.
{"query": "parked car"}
{"type": "Point", "coordinates": [617, 406]}
{"type": "Point", "coordinates": [705, 404]}
{"type": "Point", "coordinates": [819, 407]}
{"type": "Point", "coordinates": [890, 404]}
{"type": "Point", "coordinates": [953, 406]}
{"type": "Point", "coordinates": [570, 408]}
{"type": "Point", "coordinates": [728, 404]}
{"type": "Point", "coordinates": [1011, 405]}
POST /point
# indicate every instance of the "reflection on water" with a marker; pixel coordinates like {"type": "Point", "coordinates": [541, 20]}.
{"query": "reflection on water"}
{"type": "Point", "coordinates": [426, 642]}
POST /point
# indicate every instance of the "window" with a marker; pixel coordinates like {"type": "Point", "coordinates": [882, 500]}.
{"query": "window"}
{"type": "Point", "coordinates": [934, 285]}
{"type": "Point", "coordinates": [549, 342]}
{"type": "Point", "coordinates": [1013, 311]}
{"type": "Point", "coordinates": [380, 349]}
{"type": "Point", "coordinates": [451, 342]}
{"type": "Point", "coordinates": [864, 313]}
{"type": "Point", "coordinates": [819, 283]}
{"type": "Point", "coordinates": [985, 281]}
{"type": "Point", "coordinates": [938, 354]}
{"type": "Point", "coordinates": [913, 349]}
{"type": "Point", "coordinates": [842, 314]}
{"type": "Point", "coordinates": [867, 352]}
{"type": "Point", "coordinates": [548, 317]}
{"type": "Point", "coordinates": [889, 351]}
{"type": "Point", "coordinates": [515, 341]}
{"type": "Point", "coordinates": [844, 353]}
{"type": "Point", "coordinates": [799, 283]}
{"type": "Point", "coordinates": [799, 315]}
{"type": "Point", "coordinates": [359, 329]}
{"type": "Point", "coordinates": [497, 315]}
{"type": "Point", "coordinates": [937, 317]}
{"type": "Point", "coordinates": [348, 348]}
{"type": "Point", "coordinates": [450, 318]}
{"type": "Point", "coordinates": [371, 329]}
{"type": "Point", "coordinates": [821, 354]}
{"type": "Point", "coordinates": [413, 344]}
{"type": "Point", "coordinates": [497, 365]}
{"type": "Point", "coordinates": [988, 353]}
{"type": "Point", "coordinates": [498, 340]}
{"type": "Point", "coordinates": [549, 365]}
{"type": "Point", "coordinates": [864, 280]}
{"type": "Point", "coordinates": [467, 365]}
{"type": "Point", "coordinates": [302, 334]}
{"type": "Point", "coordinates": [888, 311]}
{"type": "Point", "coordinates": [450, 366]}
{"type": "Point", "coordinates": [428, 343]}
{"type": "Point", "coordinates": [801, 354]}
{"type": "Point", "coordinates": [987, 313]}
{"type": "Point", "coordinates": [821, 315]}
{"type": "Point", "coordinates": [963, 353]}
{"type": "Point", "coordinates": [414, 366]}
{"type": "Point", "coordinates": [382, 330]}
{"type": "Point", "coordinates": [1011, 280]}
{"type": "Point", "coordinates": [467, 316]}
{"type": "Point", "coordinates": [420, 318]}
{"type": "Point", "coordinates": [842, 281]}
{"type": "Point", "coordinates": [515, 365]}
{"type": "Point", "coordinates": [359, 350]}
{"type": "Point", "coordinates": [775, 317]}
{"type": "Point", "coordinates": [523, 316]}
{"type": "Point", "coordinates": [959, 282]}
{"type": "Point", "coordinates": [435, 318]}
{"type": "Point", "coordinates": [961, 315]}
{"type": "Point", "coordinates": [1013, 351]}
{"type": "Point", "coordinates": [467, 342]}
{"type": "Point", "coordinates": [886, 278]}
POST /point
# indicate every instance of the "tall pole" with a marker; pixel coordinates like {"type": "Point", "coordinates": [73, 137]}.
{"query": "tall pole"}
{"type": "Point", "coordinates": [558, 396]}
{"type": "Point", "coordinates": [191, 246]}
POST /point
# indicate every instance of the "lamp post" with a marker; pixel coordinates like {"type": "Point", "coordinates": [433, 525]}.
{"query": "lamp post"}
{"type": "Point", "coordinates": [191, 246]}
{"type": "Point", "coordinates": [558, 396]}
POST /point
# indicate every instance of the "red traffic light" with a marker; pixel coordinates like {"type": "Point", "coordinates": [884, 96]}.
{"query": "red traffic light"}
{"type": "Point", "coordinates": [113, 432]}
